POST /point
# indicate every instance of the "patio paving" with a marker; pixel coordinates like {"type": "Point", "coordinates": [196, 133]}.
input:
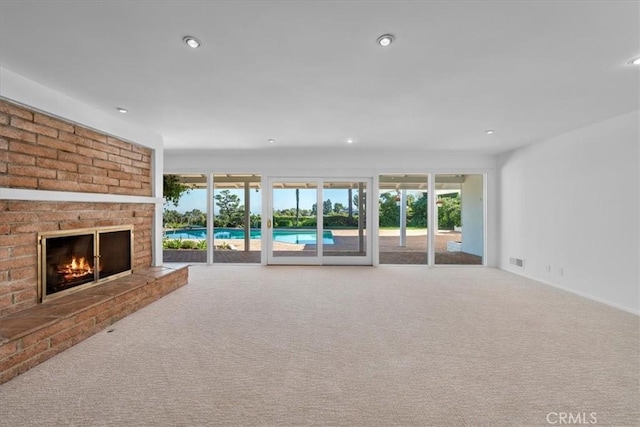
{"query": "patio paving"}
{"type": "Point", "coordinates": [346, 244]}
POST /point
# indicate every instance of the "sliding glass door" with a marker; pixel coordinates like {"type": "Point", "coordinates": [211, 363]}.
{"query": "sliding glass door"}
{"type": "Point", "coordinates": [318, 221]}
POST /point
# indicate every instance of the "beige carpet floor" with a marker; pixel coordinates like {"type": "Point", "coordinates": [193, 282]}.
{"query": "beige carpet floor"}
{"type": "Point", "coordinates": [363, 346]}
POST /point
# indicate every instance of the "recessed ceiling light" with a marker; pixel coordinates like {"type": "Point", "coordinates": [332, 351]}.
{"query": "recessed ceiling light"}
{"type": "Point", "coordinates": [385, 40]}
{"type": "Point", "coordinates": [489, 132]}
{"type": "Point", "coordinates": [635, 61]}
{"type": "Point", "coordinates": [122, 110]}
{"type": "Point", "coordinates": [191, 42]}
{"type": "Point", "coordinates": [272, 141]}
{"type": "Point", "coordinates": [349, 141]}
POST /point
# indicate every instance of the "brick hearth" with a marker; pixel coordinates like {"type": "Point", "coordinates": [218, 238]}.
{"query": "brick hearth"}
{"type": "Point", "coordinates": [32, 336]}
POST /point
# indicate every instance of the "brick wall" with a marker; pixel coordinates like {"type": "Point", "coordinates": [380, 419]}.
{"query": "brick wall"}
{"type": "Point", "coordinates": [41, 152]}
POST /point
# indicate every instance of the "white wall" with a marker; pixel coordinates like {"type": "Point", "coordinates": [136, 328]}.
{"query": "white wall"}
{"type": "Point", "coordinates": [569, 208]}
{"type": "Point", "coordinates": [472, 215]}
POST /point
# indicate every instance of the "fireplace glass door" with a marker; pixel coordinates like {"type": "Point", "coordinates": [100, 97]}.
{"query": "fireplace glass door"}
{"type": "Point", "coordinates": [74, 260]}
{"type": "Point", "coordinates": [115, 253]}
{"type": "Point", "coordinates": [69, 262]}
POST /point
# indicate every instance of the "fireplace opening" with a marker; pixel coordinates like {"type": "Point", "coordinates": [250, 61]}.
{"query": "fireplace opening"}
{"type": "Point", "coordinates": [74, 260]}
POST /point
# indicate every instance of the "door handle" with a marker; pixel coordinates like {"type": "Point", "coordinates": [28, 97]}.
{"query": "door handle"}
{"type": "Point", "coordinates": [268, 223]}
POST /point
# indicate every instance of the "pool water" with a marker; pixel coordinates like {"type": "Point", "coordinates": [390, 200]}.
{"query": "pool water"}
{"type": "Point", "coordinates": [283, 235]}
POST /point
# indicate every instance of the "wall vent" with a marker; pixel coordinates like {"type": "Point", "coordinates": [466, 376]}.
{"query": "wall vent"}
{"type": "Point", "coordinates": [517, 262]}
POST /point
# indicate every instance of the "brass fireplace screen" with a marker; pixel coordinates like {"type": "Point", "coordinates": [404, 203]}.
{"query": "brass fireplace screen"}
{"type": "Point", "coordinates": [69, 261]}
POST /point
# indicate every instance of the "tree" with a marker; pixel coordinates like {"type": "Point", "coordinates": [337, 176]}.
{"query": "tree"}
{"type": "Point", "coordinates": [339, 208]}
{"type": "Point", "coordinates": [389, 210]}
{"type": "Point", "coordinates": [419, 210]}
{"type": "Point", "coordinates": [172, 219]}
{"type": "Point", "coordinates": [449, 212]}
{"type": "Point", "coordinates": [196, 217]}
{"type": "Point", "coordinates": [173, 188]}
{"type": "Point", "coordinates": [229, 210]}
{"type": "Point", "coordinates": [327, 206]}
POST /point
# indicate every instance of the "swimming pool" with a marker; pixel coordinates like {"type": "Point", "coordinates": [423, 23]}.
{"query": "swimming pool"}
{"type": "Point", "coordinates": [283, 235]}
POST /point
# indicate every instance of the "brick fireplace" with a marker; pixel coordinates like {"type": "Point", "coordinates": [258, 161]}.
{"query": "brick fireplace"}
{"type": "Point", "coordinates": [63, 168]}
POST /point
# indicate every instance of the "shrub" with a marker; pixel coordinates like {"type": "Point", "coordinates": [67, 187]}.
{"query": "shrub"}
{"type": "Point", "coordinates": [188, 244]}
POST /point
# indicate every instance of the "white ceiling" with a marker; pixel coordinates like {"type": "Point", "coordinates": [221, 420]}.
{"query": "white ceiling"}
{"type": "Point", "coordinates": [310, 74]}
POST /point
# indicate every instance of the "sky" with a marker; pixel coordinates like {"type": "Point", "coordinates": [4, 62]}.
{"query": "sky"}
{"type": "Point", "coordinates": [283, 199]}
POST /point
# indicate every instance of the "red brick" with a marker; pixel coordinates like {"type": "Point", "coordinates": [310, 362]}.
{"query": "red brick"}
{"type": "Point", "coordinates": [75, 224]}
{"type": "Point", "coordinates": [21, 182]}
{"type": "Point", "coordinates": [26, 295]}
{"type": "Point", "coordinates": [94, 154]}
{"type": "Point", "coordinates": [76, 206]}
{"type": "Point", "coordinates": [130, 184]}
{"type": "Point", "coordinates": [85, 178]}
{"type": "Point", "coordinates": [4, 144]}
{"type": "Point", "coordinates": [79, 141]}
{"type": "Point", "coordinates": [19, 216]}
{"type": "Point", "coordinates": [35, 150]}
{"type": "Point", "coordinates": [67, 176]}
{"type": "Point", "coordinates": [105, 180]}
{"type": "Point", "coordinates": [21, 159]}
{"type": "Point", "coordinates": [18, 262]}
{"type": "Point", "coordinates": [4, 119]}
{"type": "Point", "coordinates": [57, 165]}
{"type": "Point", "coordinates": [24, 250]}
{"type": "Point", "coordinates": [52, 184]}
{"type": "Point", "coordinates": [30, 206]}
{"type": "Point", "coordinates": [17, 239]}
{"type": "Point", "coordinates": [74, 158]}
{"type": "Point", "coordinates": [46, 332]}
{"type": "Point", "coordinates": [8, 375]}
{"type": "Point", "coordinates": [3, 167]}
{"type": "Point", "coordinates": [88, 133]}
{"type": "Point", "coordinates": [91, 313]}
{"type": "Point", "coordinates": [23, 273]}
{"type": "Point", "coordinates": [95, 188]}
{"type": "Point", "coordinates": [51, 122]}
{"type": "Point", "coordinates": [119, 159]}
{"type": "Point", "coordinates": [58, 216]}
{"type": "Point", "coordinates": [131, 155]}
{"type": "Point", "coordinates": [8, 349]}
{"type": "Point", "coordinates": [32, 171]}
{"type": "Point", "coordinates": [4, 254]}
{"type": "Point", "coordinates": [105, 164]}
{"type": "Point", "coordinates": [143, 165]}
{"type": "Point", "coordinates": [33, 127]}
{"type": "Point", "coordinates": [15, 110]}
{"type": "Point", "coordinates": [93, 215]}
{"type": "Point", "coordinates": [19, 134]}
{"type": "Point", "coordinates": [91, 171]}
{"type": "Point", "coordinates": [141, 178]}
{"type": "Point", "coordinates": [34, 228]}
{"type": "Point", "coordinates": [117, 143]}
{"type": "Point", "coordinates": [104, 147]}
{"type": "Point", "coordinates": [71, 332]}
{"type": "Point", "coordinates": [120, 175]}
{"type": "Point", "coordinates": [56, 143]}
{"type": "Point", "coordinates": [23, 355]}
{"type": "Point", "coordinates": [18, 285]}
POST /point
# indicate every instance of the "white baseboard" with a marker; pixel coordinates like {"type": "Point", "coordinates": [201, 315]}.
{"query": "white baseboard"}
{"type": "Point", "coordinates": [573, 291]}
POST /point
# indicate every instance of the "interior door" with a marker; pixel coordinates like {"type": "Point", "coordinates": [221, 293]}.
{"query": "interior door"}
{"type": "Point", "coordinates": [318, 221]}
